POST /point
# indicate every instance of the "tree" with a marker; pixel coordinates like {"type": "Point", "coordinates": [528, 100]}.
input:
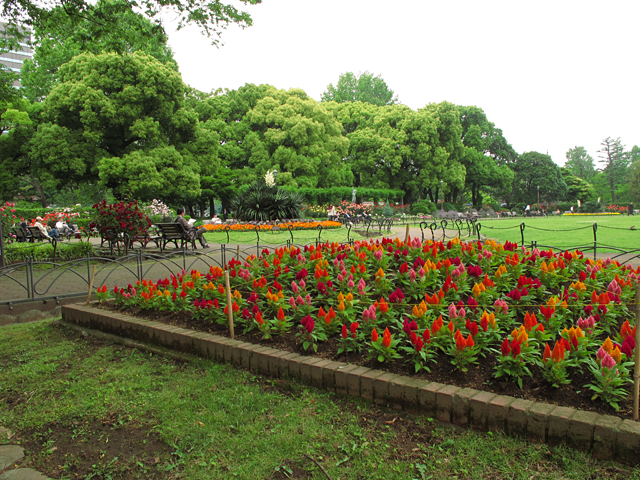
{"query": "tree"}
{"type": "Point", "coordinates": [487, 155]}
{"type": "Point", "coordinates": [577, 188]}
{"type": "Point", "coordinates": [7, 92]}
{"type": "Point", "coordinates": [212, 17]}
{"type": "Point", "coordinates": [262, 128]}
{"type": "Point", "coordinates": [580, 164]}
{"type": "Point", "coordinates": [533, 170]}
{"type": "Point", "coordinates": [362, 88]}
{"type": "Point", "coordinates": [60, 38]}
{"type": "Point", "coordinates": [615, 163]}
{"type": "Point", "coordinates": [120, 119]}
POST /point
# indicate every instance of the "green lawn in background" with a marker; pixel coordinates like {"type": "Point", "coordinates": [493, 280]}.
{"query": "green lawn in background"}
{"type": "Point", "coordinates": [567, 232]}
{"type": "Point", "coordinates": [63, 392]}
{"type": "Point", "coordinates": [300, 237]}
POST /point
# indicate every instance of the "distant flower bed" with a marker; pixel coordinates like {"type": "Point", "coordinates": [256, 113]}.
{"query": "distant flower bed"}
{"type": "Point", "coordinates": [604, 214]}
{"type": "Point", "coordinates": [244, 227]}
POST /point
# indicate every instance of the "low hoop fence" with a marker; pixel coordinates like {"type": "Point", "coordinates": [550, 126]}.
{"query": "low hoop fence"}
{"type": "Point", "coordinates": [621, 254]}
{"type": "Point", "coordinates": [31, 280]}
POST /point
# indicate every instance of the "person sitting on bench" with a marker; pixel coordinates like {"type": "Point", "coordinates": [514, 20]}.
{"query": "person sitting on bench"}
{"type": "Point", "coordinates": [41, 227]}
{"type": "Point", "coordinates": [199, 233]}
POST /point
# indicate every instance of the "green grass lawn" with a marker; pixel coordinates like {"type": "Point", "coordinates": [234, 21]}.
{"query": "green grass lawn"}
{"type": "Point", "coordinates": [86, 408]}
{"type": "Point", "coordinates": [567, 232]}
{"type": "Point", "coordinates": [300, 237]}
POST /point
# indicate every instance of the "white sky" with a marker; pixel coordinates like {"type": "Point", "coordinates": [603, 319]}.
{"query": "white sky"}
{"type": "Point", "coordinates": [550, 74]}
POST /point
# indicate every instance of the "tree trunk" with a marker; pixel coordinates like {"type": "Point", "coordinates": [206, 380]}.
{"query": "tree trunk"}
{"type": "Point", "coordinates": [43, 198]}
{"type": "Point", "coordinates": [212, 207]}
{"type": "Point", "coordinates": [190, 210]}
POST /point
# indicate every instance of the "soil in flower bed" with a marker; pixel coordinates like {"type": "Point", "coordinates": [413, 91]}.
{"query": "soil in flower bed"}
{"type": "Point", "coordinates": [479, 377]}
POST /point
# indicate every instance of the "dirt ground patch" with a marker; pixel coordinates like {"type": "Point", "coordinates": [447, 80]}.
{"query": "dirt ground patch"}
{"type": "Point", "coordinates": [100, 448]}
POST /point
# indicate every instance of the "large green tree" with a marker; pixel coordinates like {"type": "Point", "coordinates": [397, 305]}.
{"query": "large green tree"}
{"type": "Point", "coordinates": [533, 170]}
{"type": "Point", "coordinates": [487, 155]}
{"type": "Point", "coordinates": [577, 188]}
{"type": "Point", "coordinates": [580, 164]}
{"type": "Point", "coordinates": [364, 87]}
{"type": "Point", "coordinates": [211, 16]}
{"type": "Point", "coordinates": [60, 38]}
{"type": "Point", "coordinates": [262, 128]}
{"type": "Point", "coordinates": [612, 156]}
{"type": "Point", "coordinates": [121, 119]}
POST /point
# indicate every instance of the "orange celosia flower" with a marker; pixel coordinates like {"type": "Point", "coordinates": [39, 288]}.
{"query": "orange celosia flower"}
{"type": "Point", "coordinates": [607, 346]}
{"type": "Point", "coordinates": [386, 338]}
{"type": "Point", "coordinates": [379, 273]}
{"type": "Point", "coordinates": [558, 352]}
{"type": "Point", "coordinates": [280, 316]}
{"type": "Point", "coordinates": [616, 354]}
{"type": "Point", "coordinates": [547, 353]}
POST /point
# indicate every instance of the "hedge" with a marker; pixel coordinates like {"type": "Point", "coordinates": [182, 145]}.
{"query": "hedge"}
{"type": "Point", "coordinates": [335, 195]}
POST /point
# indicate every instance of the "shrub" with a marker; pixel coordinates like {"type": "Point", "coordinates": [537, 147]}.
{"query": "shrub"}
{"type": "Point", "coordinates": [44, 251]}
{"type": "Point", "coordinates": [264, 201]}
{"type": "Point", "coordinates": [450, 206]}
{"type": "Point", "coordinates": [423, 207]}
{"type": "Point", "coordinates": [120, 218]}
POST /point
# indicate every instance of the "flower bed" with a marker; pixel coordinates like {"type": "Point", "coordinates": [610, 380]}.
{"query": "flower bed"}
{"type": "Point", "coordinates": [520, 322]}
{"type": "Point", "coordinates": [244, 227]}
{"type": "Point", "coordinates": [602, 214]}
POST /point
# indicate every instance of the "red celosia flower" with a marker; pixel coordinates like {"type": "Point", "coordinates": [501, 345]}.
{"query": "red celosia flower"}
{"type": "Point", "coordinates": [374, 335]}
{"type": "Point", "coordinates": [345, 334]}
{"type": "Point", "coordinates": [280, 316]}
{"type": "Point", "coordinates": [505, 348]}
{"type": "Point", "coordinates": [547, 353]}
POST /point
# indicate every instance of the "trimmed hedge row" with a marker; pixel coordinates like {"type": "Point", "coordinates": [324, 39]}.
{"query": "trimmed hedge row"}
{"type": "Point", "coordinates": [335, 195]}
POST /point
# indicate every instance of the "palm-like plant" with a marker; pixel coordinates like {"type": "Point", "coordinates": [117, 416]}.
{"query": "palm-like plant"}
{"type": "Point", "coordinates": [261, 202]}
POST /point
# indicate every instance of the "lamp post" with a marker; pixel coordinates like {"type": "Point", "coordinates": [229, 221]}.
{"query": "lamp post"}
{"type": "Point", "coordinates": [538, 196]}
{"type": "Point", "coordinates": [442, 195]}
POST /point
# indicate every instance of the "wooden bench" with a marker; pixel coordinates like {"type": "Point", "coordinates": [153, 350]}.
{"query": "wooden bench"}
{"type": "Point", "coordinates": [21, 235]}
{"type": "Point", "coordinates": [175, 232]}
{"type": "Point", "coordinates": [36, 234]}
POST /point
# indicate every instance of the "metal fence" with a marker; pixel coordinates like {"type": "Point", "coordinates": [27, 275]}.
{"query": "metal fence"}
{"type": "Point", "coordinates": [46, 280]}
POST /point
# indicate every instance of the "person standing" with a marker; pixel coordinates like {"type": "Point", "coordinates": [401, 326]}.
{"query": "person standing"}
{"type": "Point", "coordinates": [631, 208]}
{"type": "Point", "coordinates": [199, 233]}
{"type": "Point", "coordinates": [224, 215]}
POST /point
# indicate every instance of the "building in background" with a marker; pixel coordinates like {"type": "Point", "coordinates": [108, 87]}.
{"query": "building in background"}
{"type": "Point", "coordinates": [14, 58]}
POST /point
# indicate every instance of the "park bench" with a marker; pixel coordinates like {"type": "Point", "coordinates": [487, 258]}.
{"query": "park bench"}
{"type": "Point", "coordinates": [175, 232]}
{"type": "Point", "coordinates": [21, 235]}
{"type": "Point", "coordinates": [36, 234]}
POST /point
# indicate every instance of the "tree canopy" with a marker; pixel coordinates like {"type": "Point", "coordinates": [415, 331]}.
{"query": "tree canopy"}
{"type": "Point", "coordinates": [360, 88]}
{"type": "Point", "coordinates": [580, 164]}
{"type": "Point", "coordinates": [59, 39]}
{"type": "Point", "coordinates": [211, 16]}
{"type": "Point", "coordinates": [121, 118]}
{"type": "Point", "coordinates": [533, 170]}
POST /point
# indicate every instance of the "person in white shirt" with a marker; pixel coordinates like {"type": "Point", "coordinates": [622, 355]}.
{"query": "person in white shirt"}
{"type": "Point", "coordinates": [215, 220]}
{"type": "Point", "coordinates": [41, 227]}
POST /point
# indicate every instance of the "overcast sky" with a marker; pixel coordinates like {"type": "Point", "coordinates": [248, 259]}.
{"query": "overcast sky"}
{"type": "Point", "coordinates": [551, 74]}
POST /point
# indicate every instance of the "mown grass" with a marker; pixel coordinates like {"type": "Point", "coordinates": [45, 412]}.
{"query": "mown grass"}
{"type": "Point", "coordinates": [203, 420]}
{"type": "Point", "coordinates": [565, 232]}
{"type": "Point", "coordinates": [300, 237]}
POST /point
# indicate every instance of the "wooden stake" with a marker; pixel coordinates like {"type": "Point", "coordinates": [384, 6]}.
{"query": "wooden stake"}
{"type": "Point", "coordinates": [636, 370]}
{"type": "Point", "coordinates": [91, 284]}
{"type": "Point", "coordinates": [406, 236]}
{"type": "Point", "coordinates": [238, 253]}
{"type": "Point", "coordinates": [229, 303]}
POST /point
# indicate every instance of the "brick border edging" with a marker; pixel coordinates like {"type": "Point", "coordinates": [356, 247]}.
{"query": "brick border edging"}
{"type": "Point", "coordinates": [606, 437]}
